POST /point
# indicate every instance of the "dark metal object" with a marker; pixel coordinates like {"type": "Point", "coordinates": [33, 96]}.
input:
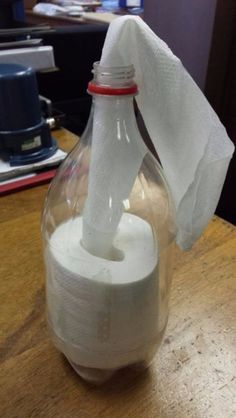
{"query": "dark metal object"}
{"type": "Point", "coordinates": [24, 135]}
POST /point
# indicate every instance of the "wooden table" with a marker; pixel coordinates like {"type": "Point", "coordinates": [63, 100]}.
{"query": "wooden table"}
{"type": "Point", "coordinates": [194, 373]}
{"type": "Point", "coordinates": [34, 18]}
{"type": "Point", "coordinates": [54, 21]}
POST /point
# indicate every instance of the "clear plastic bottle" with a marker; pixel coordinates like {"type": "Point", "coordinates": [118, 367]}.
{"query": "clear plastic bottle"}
{"type": "Point", "coordinates": [108, 228]}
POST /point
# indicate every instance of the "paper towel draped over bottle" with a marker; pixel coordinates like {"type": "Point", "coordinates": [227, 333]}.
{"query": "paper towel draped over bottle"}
{"type": "Point", "coordinates": [191, 142]}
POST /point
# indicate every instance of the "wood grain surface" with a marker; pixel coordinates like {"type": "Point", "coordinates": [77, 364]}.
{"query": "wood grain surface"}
{"type": "Point", "coordinates": [194, 373]}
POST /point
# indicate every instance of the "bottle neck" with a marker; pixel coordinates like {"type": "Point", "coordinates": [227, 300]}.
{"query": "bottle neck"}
{"type": "Point", "coordinates": [115, 116]}
{"type": "Point", "coordinates": [115, 107]}
{"type": "Point", "coordinates": [113, 90]}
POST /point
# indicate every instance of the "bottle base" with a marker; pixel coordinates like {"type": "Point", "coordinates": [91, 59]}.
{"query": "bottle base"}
{"type": "Point", "coordinates": [91, 372]}
{"type": "Point", "coordinates": [93, 376]}
{"type": "Point", "coordinates": [98, 377]}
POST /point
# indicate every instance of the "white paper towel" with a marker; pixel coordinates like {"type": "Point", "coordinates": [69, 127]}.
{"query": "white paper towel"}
{"type": "Point", "coordinates": [105, 312]}
{"type": "Point", "coordinates": [190, 140]}
{"type": "Point", "coordinates": [109, 185]}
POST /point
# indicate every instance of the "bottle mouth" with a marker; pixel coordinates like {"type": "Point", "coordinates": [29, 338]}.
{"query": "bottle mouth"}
{"type": "Point", "coordinates": [113, 80]}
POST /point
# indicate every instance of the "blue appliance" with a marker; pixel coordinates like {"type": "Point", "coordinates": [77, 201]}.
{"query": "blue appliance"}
{"type": "Point", "coordinates": [24, 135]}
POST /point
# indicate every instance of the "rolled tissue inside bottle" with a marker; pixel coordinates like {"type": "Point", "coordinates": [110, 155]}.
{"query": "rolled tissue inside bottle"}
{"type": "Point", "coordinates": [116, 158]}
{"type": "Point", "coordinates": [104, 313]}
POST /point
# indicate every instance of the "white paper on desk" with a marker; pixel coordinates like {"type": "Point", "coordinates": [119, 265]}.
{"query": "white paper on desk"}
{"type": "Point", "coordinates": [49, 9]}
{"type": "Point", "coordinates": [18, 178]}
{"type": "Point", "coordinates": [55, 10]}
{"type": "Point", "coordinates": [7, 172]}
{"type": "Point", "coordinates": [190, 140]}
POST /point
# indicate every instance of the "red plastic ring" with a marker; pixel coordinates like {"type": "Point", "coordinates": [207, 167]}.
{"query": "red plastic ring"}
{"type": "Point", "coordinates": [112, 91]}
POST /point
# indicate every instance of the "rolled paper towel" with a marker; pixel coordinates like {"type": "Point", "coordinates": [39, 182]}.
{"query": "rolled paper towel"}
{"type": "Point", "coordinates": [104, 313]}
{"type": "Point", "coordinates": [109, 185]}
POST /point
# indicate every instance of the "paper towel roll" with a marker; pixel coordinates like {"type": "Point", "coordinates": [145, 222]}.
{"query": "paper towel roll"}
{"type": "Point", "coordinates": [104, 313]}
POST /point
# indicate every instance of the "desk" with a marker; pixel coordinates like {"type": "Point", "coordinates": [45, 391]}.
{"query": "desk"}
{"type": "Point", "coordinates": [194, 372]}
{"type": "Point", "coordinates": [55, 21]}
